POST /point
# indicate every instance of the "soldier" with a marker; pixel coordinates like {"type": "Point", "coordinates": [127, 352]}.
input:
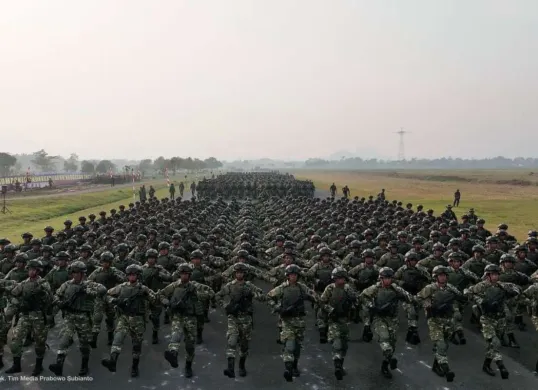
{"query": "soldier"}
{"type": "Point", "coordinates": [130, 299]}
{"type": "Point", "coordinates": [5, 289]}
{"type": "Point", "coordinates": [393, 259]}
{"type": "Point", "coordinates": [75, 299]}
{"type": "Point", "coordinates": [288, 299]}
{"type": "Point", "coordinates": [57, 276]}
{"type": "Point", "coordinates": [460, 278]}
{"type": "Point", "coordinates": [155, 277]}
{"type": "Point", "coordinates": [239, 311]}
{"type": "Point", "coordinates": [34, 295]}
{"type": "Point", "coordinates": [531, 293]}
{"type": "Point", "coordinates": [438, 299]}
{"type": "Point", "coordinates": [109, 277]}
{"type": "Point", "coordinates": [381, 300]}
{"type": "Point", "coordinates": [412, 278]}
{"type": "Point", "coordinates": [338, 299]}
{"type": "Point", "coordinates": [183, 297]}
{"type": "Point", "coordinates": [434, 259]}
{"type": "Point", "coordinates": [491, 297]}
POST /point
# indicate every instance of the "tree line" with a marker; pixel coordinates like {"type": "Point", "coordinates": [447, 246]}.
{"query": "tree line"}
{"type": "Point", "coordinates": [44, 162]}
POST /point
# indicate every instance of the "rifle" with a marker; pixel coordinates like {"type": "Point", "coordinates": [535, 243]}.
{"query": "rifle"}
{"type": "Point", "coordinates": [67, 303]}
{"type": "Point", "coordinates": [234, 307]}
{"type": "Point", "coordinates": [181, 303]}
{"type": "Point", "coordinates": [291, 310]}
{"type": "Point", "coordinates": [125, 303]}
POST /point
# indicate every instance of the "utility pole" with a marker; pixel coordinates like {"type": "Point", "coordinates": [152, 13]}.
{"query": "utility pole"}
{"type": "Point", "coordinates": [401, 148]}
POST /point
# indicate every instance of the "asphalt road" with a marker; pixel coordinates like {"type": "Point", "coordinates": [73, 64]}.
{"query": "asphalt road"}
{"type": "Point", "coordinates": [265, 367]}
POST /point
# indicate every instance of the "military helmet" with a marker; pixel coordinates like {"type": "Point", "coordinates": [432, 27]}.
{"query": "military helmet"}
{"type": "Point", "coordinates": [46, 248]}
{"type": "Point", "coordinates": [507, 257]}
{"type": "Point", "coordinates": [164, 245]}
{"type": "Point", "coordinates": [289, 244]}
{"type": "Point", "coordinates": [123, 247]}
{"type": "Point", "coordinates": [205, 245]}
{"type": "Point", "coordinates": [438, 247]}
{"type": "Point", "coordinates": [184, 269]}
{"type": "Point", "coordinates": [292, 269]}
{"type": "Point", "coordinates": [455, 256]}
{"type": "Point", "coordinates": [478, 248]}
{"type": "Point", "coordinates": [279, 238]}
{"type": "Point", "coordinates": [21, 258]}
{"type": "Point", "coordinates": [242, 253]}
{"type": "Point", "coordinates": [368, 253]}
{"type": "Point", "coordinates": [78, 266]}
{"type": "Point", "coordinates": [10, 248]}
{"type": "Point", "coordinates": [34, 264]}
{"type": "Point", "coordinates": [197, 254]}
{"type": "Point", "coordinates": [440, 269]}
{"type": "Point", "coordinates": [152, 253]}
{"type": "Point", "coordinates": [410, 256]}
{"type": "Point", "coordinates": [315, 238]}
{"type": "Point", "coordinates": [386, 272]}
{"type": "Point", "coordinates": [454, 241]}
{"type": "Point", "coordinates": [107, 256]}
{"type": "Point", "coordinates": [141, 237]}
{"type": "Point", "coordinates": [492, 268]}
{"type": "Point", "coordinates": [133, 269]}
{"type": "Point", "coordinates": [240, 267]}
{"type": "Point", "coordinates": [62, 255]}
{"type": "Point", "coordinates": [520, 248]}
{"type": "Point", "coordinates": [339, 272]}
{"type": "Point", "coordinates": [325, 251]}
{"type": "Point", "coordinates": [36, 241]}
{"type": "Point", "coordinates": [393, 244]}
{"type": "Point", "coordinates": [355, 244]}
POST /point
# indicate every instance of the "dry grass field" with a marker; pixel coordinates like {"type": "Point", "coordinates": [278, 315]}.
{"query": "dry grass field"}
{"type": "Point", "coordinates": [497, 196]}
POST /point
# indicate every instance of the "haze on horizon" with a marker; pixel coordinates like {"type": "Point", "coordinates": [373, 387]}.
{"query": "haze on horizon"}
{"type": "Point", "coordinates": [280, 79]}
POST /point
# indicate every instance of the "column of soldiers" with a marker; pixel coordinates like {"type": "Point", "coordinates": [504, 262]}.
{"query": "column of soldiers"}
{"type": "Point", "coordinates": [354, 260]}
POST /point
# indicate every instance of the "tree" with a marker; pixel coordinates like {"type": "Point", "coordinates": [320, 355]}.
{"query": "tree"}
{"type": "Point", "coordinates": [175, 164]}
{"type": "Point", "coordinates": [212, 162]}
{"type": "Point", "coordinates": [87, 167]}
{"type": "Point", "coordinates": [43, 161]}
{"type": "Point", "coordinates": [71, 164]}
{"type": "Point", "coordinates": [160, 164]}
{"type": "Point", "coordinates": [145, 165]}
{"type": "Point", "coordinates": [7, 161]}
{"type": "Point", "coordinates": [104, 166]}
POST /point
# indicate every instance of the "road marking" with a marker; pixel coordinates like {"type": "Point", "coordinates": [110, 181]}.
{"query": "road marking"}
{"type": "Point", "coordinates": [425, 364]}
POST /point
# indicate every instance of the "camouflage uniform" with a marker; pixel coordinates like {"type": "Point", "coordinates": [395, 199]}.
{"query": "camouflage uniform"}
{"type": "Point", "coordinates": [288, 299]}
{"type": "Point", "coordinates": [5, 288]}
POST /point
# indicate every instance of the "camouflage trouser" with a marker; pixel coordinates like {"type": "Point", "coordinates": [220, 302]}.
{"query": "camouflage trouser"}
{"type": "Point", "coordinates": [292, 336]}
{"type": "Point", "coordinates": [239, 333]}
{"type": "Point", "coordinates": [511, 310]}
{"type": "Point", "coordinates": [79, 324]}
{"type": "Point", "coordinates": [339, 337]}
{"type": "Point", "coordinates": [155, 315]}
{"type": "Point", "coordinates": [457, 318]}
{"type": "Point", "coordinates": [386, 329]}
{"type": "Point", "coordinates": [186, 326]}
{"type": "Point", "coordinates": [492, 328]}
{"type": "Point", "coordinates": [535, 322]}
{"type": "Point", "coordinates": [412, 310]}
{"type": "Point", "coordinates": [33, 322]}
{"type": "Point", "coordinates": [135, 326]}
{"type": "Point", "coordinates": [3, 337]}
{"type": "Point", "coordinates": [365, 315]}
{"type": "Point", "coordinates": [440, 330]}
{"type": "Point", "coordinates": [100, 310]}
{"type": "Point", "coordinates": [321, 318]}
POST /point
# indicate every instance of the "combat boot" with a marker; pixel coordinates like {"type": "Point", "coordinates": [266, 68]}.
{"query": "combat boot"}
{"type": "Point", "coordinates": [16, 367]}
{"type": "Point", "coordinates": [166, 318]}
{"type": "Point", "coordinates": [95, 336]}
{"type": "Point", "coordinates": [338, 369]}
{"type": "Point", "coordinates": [393, 363]}
{"type": "Point", "coordinates": [199, 338]}
{"type": "Point", "coordinates": [412, 336]}
{"type": "Point", "coordinates": [502, 369]}
{"type": "Point", "coordinates": [449, 375]}
{"type": "Point", "coordinates": [242, 369]}
{"type": "Point", "coordinates": [110, 338]}
{"type": "Point", "coordinates": [111, 362]}
{"type": "Point", "coordinates": [38, 368]}
{"type": "Point", "coordinates": [230, 371]}
{"type": "Point", "coordinates": [367, 334]}
{"type": "Point", "coordinates": [58, 367]}
{"type": "Point", "coordinates": [385, 369]}
{"type": "Point", "coordinates": [518, 320]}
{"type": "Point", "coordinates": [461, 336]}
{"type": "Point", "coordinates": [437, 368]}
{"type": "Point", "coordinates": [486, 367]}
{"type": "Point", "coordinates": [155, 337]}
{"type": "Point", "coordinates": [323, 335]}
{"type": "Point", "coordinates": [171, 357]}
{"type": "Point", "coordinates": [188, 369]}
{"type": "Point", "coordinates": [84, 365]}
{"type": "Point", "coordinates": [278, 341]}
{"type": "Point", "coordinates": [512, 343]}
{"type": "Point", "coordinates": [295, 368]}
{"type": "Point", "coordinates": [288, 372]}
{"type": "Point", "coordinates": [134, 368]}
{"type": "Point", "coordinates": [453, 339]}
{"type": "Point", "coordinates": [1, 361]}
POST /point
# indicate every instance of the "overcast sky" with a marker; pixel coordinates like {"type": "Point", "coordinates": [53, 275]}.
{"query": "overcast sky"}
{"type": "Point", "coordinates": [269, 78]}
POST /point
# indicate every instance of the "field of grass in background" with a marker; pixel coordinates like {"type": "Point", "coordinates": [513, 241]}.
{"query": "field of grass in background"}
{"type": "Point", "coordinates": [32, 215]}
{"type": "Point", "coordinates": [515, 205]}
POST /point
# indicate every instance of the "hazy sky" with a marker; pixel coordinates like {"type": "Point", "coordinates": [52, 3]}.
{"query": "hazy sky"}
{"type": "Point", "coordinates": [268, 78]}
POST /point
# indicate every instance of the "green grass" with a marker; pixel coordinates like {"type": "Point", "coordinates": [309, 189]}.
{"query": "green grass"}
{"type": "Point", "coordinates": [514, 205]}
{"type": "Point", "coordinates": [32, 215]}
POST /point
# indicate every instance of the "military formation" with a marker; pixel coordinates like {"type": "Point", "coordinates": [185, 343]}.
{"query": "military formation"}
{"type": "Point", "coordinates": [354, 260]}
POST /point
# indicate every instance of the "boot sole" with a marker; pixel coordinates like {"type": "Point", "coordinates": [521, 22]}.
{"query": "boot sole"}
{"type": "Point", "coordinates": [288, 376]}
{"type": "Point", "coordinates": [450, 376]}
{"type": "Point", "coordinates": [339, 375]}
{"type": "Point", "coordinates": [393, 363]}
{"type": "Point", "coordinates": [490, 373]}
{"type": "Point", "coordinates": [229, 374]}
{"type": "Point", "coordinates": [170, 359]}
